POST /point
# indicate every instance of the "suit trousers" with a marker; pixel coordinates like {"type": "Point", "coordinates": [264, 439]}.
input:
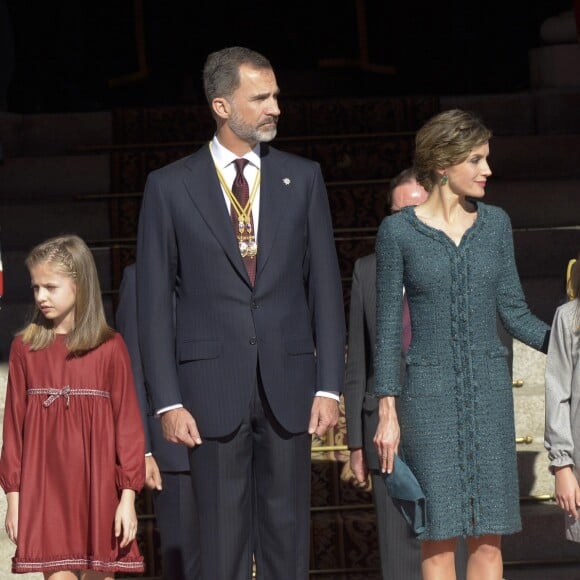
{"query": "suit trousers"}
{"type": "Point", "coordinates": [178, 527]}
{"type": "Point", "coordinates": [400, 551]}
{"type": "Point", "coordinates": [252, 489]}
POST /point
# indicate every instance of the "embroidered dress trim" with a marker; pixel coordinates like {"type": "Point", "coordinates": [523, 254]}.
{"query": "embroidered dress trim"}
{"type": "Point", "coordinates": [67, 393]}
{"type": "Point", "coordinates": [76, 563]}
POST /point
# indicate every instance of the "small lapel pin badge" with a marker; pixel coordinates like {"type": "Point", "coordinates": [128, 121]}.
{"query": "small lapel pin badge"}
{"type": "Point", "coordinates": [286, 181]}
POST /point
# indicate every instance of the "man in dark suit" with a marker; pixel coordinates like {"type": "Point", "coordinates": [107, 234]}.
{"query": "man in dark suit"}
{"type": "Point", "coordinates": [400, 552]}
{"type": "Point", "coordinates": [166, 464]}
{"type": "Point", "coordinates": [254, 362]}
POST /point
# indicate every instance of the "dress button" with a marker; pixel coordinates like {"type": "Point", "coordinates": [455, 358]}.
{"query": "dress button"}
{"type": "Point", "coordinates": [253, 304]}
{"type": "Point", "coordinates": [253, 340]}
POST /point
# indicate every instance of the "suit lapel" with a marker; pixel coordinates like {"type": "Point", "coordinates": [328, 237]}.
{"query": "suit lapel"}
{"type": "Point", "coordinates": [205, 192]}
{"type": "Point", "coordinates": [273, 197]}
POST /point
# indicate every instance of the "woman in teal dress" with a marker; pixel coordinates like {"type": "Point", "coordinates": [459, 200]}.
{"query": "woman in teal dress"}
{"type": "Point", "coordinates": [454, 256]}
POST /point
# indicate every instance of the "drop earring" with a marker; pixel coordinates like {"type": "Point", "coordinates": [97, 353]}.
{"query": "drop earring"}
{"type": "Point", "coordinates": [444, 180]}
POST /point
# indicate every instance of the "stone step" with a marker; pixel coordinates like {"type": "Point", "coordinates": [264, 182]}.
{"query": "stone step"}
{"type": "Point", "coordinates": [26, 223]}
{"type": "Point", "coordinates": [535, 156]}
{"type": "Point", "coordinates": [534, 478]}
{"type": "Point", "coordinates": [545, 252]}
{"type": "Point", "coordinates": [544, 295]}
{"type": "Point", "coordinates": [48, 177]}
{"type": "Point", "coordinates": [53, 134]}
{"type": "Point", "coordinates": [529, 204]}
{"type": "Point", "coordinates": [3, 379]}
{"type": "Point", "coordinates": [529, 365]}
{"type": "Point", "coordinates": [541, 111]}
{"type": "Point", "coordinates": [300, 116]}
{"type": "Point", "coordinates": [529, 410]}
{"type": "Point", "coordinates": [541, 539]}
{"type": "Point", "coordinates": [380, 156]}
{"type": "Point", "coordinates": [542, 571]}
{"type": "Point", "coordinates": [555, 65]}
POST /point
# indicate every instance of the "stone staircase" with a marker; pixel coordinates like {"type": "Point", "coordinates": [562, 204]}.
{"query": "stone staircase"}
{"type": "Point", "coordinates": [542, 537]}
{"type": "Point", "coordinates": [536, 179]}
{"type": "Point", "coordinates": [42, 180]}
{"type": "Point", "coordinates": [58, 169]}
{"type": "Point", "coordinates": [528, 374]}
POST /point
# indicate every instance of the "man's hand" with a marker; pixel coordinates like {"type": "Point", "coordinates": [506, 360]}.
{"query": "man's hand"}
{"type": "Point", "coordinates": [180, 427]}
{"type": "Point", "coordinates": [152, 474]}
{"type": "Point", "coordinates": [323, 416]}
{"type": "Point", "coordinates": [358, 465]}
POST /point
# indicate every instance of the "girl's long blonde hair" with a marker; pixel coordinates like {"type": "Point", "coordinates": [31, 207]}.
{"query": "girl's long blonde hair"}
{"type": "Point", "coordinates": [573, 287]}
{"type": "Point", "coordinates": [573, 279]}
{"type": "Point", "coordinates": [70, 256]}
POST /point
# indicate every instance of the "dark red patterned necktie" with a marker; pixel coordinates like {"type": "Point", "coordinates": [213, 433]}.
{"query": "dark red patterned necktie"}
{"type": "Point", "coordinates": [241, 190]}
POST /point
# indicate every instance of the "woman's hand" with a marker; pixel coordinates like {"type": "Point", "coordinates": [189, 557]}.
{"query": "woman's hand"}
{"type": "Point", "coordinates": [388, 434]}
{"type": "Point", "coordinates": [126, 518]}
{"type": "Point", "coordinates": [11, 522]}
{"type": "Point", "coordinates": [567, 491]}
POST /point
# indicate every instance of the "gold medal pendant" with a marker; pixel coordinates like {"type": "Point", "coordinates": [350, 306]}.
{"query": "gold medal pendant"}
{"type": "Point", "coordinates": [252, 248]}
{"type": "Point", "coordinates": [246, 240]}
{"type": "Point", "coordinates": [248, 246]}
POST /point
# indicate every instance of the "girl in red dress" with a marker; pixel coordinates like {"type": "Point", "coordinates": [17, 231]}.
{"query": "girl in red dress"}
{"type": "Point", "coordinates": [73, 449]}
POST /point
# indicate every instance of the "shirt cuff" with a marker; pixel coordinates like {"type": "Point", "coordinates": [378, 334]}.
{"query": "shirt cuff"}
{"type": "Point", "coordinates": [328, 394]}
{"type": "Point", "coordinates": [160, 412]}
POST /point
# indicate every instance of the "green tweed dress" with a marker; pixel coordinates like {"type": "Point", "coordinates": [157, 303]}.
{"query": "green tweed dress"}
{"type": "Point", "coordinates": [455, 407]}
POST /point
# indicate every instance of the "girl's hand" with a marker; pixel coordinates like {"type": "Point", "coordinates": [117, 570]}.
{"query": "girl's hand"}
{"type": "Point", "coordinates": [567, 491]}
{"type": "Point", "coordinates": [388, 434]}
{"type": "Point", "coordinates": [126, 518]}
{"type": "Point", "coordinates": [11, 523]}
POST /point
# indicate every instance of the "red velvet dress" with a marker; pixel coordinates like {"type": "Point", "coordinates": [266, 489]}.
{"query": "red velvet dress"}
{"type": "Point", "coordinates": [73, 438]}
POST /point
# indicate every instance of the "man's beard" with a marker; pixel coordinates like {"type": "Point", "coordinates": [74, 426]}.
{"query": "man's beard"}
{"type": "Point", "coordinates": [251, 134]}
